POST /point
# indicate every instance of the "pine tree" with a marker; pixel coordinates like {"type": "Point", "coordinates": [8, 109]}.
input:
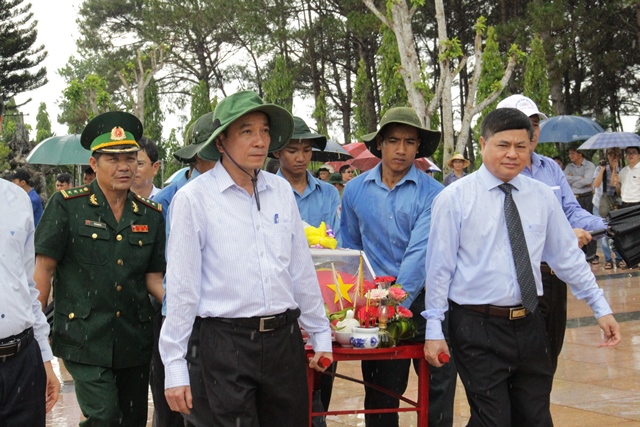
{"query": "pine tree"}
{"type": "Point", "coordinates": [43, 123]}
{"type": "Point", "coordinates": [278, 88]}
{"type": "Point", "coordinates": [393, 92]}
{"type": "Point", "coordinates": [361, 87]}
{"type": "Point", "coordinates": [19, 58]}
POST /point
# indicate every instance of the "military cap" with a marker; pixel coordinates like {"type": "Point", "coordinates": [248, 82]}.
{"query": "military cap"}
{"type": "Point", "coordinates": [237, 105]}
{"type": "Point", "coordinates": [112, 132]}
{"type": "Point", "coordinates": [198, 133]}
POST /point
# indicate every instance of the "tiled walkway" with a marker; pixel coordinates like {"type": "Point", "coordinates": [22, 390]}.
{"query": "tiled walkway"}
{"type": "Point", "coordinates": [592, 388]}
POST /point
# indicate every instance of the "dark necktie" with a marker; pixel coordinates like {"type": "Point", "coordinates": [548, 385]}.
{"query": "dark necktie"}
{"type": "Point", "coordinates": [520, 251]}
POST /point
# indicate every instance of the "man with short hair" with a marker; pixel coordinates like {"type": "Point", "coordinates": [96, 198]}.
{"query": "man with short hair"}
{"type": "Point", "coordinates": [89, 175]}
{"type": "Point", "coordinates": [103, 246]}
{"type": "Point", "coordinates": [147, 169]}
{"type": "Point", "coordinates": [63, 181]}
{"type": "Point", "coordinates": [22, 178]}
{"type": "Point", "coordinates": [630, 178]}
{"type": "Point", "coordinates": [324, 172]}
{"type": "Point", "coordinates": [553, 302]}
{"type": "Point", "coordinates": [239, 261]}
{"type": "Point", "coordinates": [317, 200]}
{"type": "Point", "coordinates": [579, 174]}
{"type": "Point", "coordinates": [498, 334]}
{"type": "Point", "coordinates": [346, 172]}
{"type": "Point", "coordinates": [386, 212]}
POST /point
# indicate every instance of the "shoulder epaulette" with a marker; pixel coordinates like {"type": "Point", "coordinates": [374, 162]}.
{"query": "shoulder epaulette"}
{"type": "Point", "coordinates": [72, 193]}
{"type": "Point", "coordinates": [150, 203]}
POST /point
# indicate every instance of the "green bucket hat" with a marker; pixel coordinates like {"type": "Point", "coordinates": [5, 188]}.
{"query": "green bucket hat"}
{"type": "Point", "coordinates": [302, 131]}
{"type": "Point", "coordinates": [429, 139]}
{"type": "Point", "coordinates": [197, 134]}
{"type": "Point", "coordinates": [112, 132]}
{"type": "Point", "coordinates": [237, 105]}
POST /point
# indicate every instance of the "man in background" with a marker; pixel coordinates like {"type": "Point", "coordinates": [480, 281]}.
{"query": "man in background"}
{"type": "Point", "coordinates": [89, 175]}
{"type": "Point", "coordinates": [22, 178]}
{"type": "Point", "coordinates": [147, 169]}
{"type": "Point", "coordinates": [63, 181]}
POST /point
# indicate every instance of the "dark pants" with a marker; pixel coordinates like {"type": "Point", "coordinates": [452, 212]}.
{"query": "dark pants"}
{"type": "Point", "coordinates": [553, 307]}
{"type": "Point", "coordinates": [22, 388]}
{"type": "Point", "coordinates": [200, 415]}
{"type": "Point", "coordinates": [586, 202]}
{"type": "Point", "coordinates": [394, 375]}
{"type": "Point", "coordinates": [505, 368]}
{"type": "Point", "coordinates": [163, 416]}
{"type": "Point", "coordinates": [254, 378]}
{"type": "Point", "coordinates": [111, 397]}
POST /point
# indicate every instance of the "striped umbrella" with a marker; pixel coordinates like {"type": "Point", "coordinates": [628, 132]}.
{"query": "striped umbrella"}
{"type": "Point", "coordinates": [606, 140]}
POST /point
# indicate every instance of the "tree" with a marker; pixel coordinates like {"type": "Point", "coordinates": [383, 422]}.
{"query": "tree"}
{"type": "Point", "coordinates": [82, 101]}
{"type": "Point", "coordinates": [362, 87]}
{"type": "Point", "coordinates": [19, 58]}
{"type": "Point", "coordinates": [137, 75]}
{"type": "Point", "coordinates": [43, 124]}
{"type": "Point", "coordinates": [153, 114]}
{"type": "Point", "coordinates": [278, 88]}
{"type": "Point", "coordinates": [393, 92]}
{"type": "Point", "coordinates": [320, 113]}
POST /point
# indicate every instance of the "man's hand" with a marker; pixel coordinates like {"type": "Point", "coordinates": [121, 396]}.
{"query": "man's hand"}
{"type": "Point", "coordinates": [179, 399]}
{"type": "Point", "coordinates": [611, 330]}
{"type": "Point", "coordinates": [53, 386]}
{"type": "Point", "coordinates": [154, 285]}
{"type": "Point", "coordinates": [584, 237]}
{"type": "Point", "coordinates": [432, 348]}
{"type": "Point", "coordinates": [313, 362]}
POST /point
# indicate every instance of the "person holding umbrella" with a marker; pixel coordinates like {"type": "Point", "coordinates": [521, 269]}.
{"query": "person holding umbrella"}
{"type": "Point", "coordinates": [459, 164]}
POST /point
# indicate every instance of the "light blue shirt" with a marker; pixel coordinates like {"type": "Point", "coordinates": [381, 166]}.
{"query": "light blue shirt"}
{"type": "Point", "coordinates": [229, 259]}
{"type": "Point", "coordinates": [319, 202]}
{"type": "Point", "coordinates": [391, 226]}
{"type": "Point", "coordinates": [546, 170]}
{"type": "Point", "coordinates": [469, 257]}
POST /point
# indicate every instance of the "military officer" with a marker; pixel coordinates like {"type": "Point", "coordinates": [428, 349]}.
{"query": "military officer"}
{"type": "Point", "coordinates": [104, 248]}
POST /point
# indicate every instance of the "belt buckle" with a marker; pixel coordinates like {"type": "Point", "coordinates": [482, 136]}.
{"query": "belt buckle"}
{"type": "Point", "coordinates": [517, 313]}
{"type": "Point", "coordinates": [262, 320]}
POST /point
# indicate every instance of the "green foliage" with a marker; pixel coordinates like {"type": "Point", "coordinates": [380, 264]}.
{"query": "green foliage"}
{"type": "Point", "coordinates": [153, 114]}
{"type": "Point", "coordinates": [320, 113]}
{"type": "Point", "coordinates": [19, 58]}
{"type": "Point", "coordinates": [43, 124]}
{"type": "Point", "coordinates": [536, 79]}
{"type": "Point", "coordinates": [200, 101]}
{"type": "Point", "coordinates": [452, 50]}
{"type": "Point", "coordinates": [278, 88]}
{"type": "Point", "coordinates": [168, 163]}
{"type": "Point", "coordinates": [393, 92]}
{"type": "Point", "coordinates": [361, 87]}
{"type": "Point", "coordinates": [492, 72]}
{"type": "Point", "coordinates": [10, 120]}
{"type": "Point", "coordinates": [82, 101]}
{"type": "Point", "coordinates": [4, 156]}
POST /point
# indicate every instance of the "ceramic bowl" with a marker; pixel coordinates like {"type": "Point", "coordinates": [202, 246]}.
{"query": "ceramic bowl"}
{"type": "Point", "coordinates": [365, 338]}
{"type": "Point", "coordinates": [343, 338]}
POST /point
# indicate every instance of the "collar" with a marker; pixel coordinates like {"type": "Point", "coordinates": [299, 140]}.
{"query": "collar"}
{"type": "Point", "coordinates": [220, 174]}
{"type": "Point", "coordinates": [490, 181]}
{"type": "Point", "coordinates": [375, 174]}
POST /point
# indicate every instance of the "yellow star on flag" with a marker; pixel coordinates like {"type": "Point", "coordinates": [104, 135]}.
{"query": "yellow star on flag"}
{"type": "Point", "coordinates": [341, 287]}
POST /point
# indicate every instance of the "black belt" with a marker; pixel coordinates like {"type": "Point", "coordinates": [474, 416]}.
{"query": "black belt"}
{"type": "Point", "coordinates": [544, 268]}
{"type": "Point", "coordinates": [590, 193]}
{"type": "Point", "coordinates": [14, 344]}
{"type": "Point", "coordinates": [511, 313]}
{"type": "Point", "coordinates": [262, 324]}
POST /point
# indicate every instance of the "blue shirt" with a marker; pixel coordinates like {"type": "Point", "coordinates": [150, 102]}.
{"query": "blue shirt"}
{"type": "Point", "coordinates": [546, 170]}
{"type": "Point", "coordinates": [319, 202]}
{"type": "Point", "coordinates": [469, 258]}
{"type": "Point", "coordinates": [36, 204]}
{"type": "Point", "coordinates": [229, 259]}
{"type": "Point", "coordinates": [391, 226]}
{"type": "Point", "coordinates": [452, 177]}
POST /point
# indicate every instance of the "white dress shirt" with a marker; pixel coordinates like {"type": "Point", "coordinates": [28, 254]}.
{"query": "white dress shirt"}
{"type": "Point", "coordinates": [469, 258]}
{"type": "Point", "coordinates": [19, 305]}
{"type": "Point", "coordinates": [630, 184]}
{"type": "Point", "coordinates": [227, 259]}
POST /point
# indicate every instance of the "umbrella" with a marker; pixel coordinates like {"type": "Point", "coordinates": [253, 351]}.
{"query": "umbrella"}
{"type": "Point", "coordinates": [355, 148]}
{"type": "Point", "coordinates": [611, 139]}
{"type": "Point", "coordinates": [624, 228]}
{"type": "Point", "coordinates": [59, 150]}
{"type": "Point", "coordinates": [175, 175]}
{"type": "Point", "coordinates": [366, 160]}
{"type": "Point", "coordinates": [568, 129]}
{"type": "Point", "coordinates": [331, 153]}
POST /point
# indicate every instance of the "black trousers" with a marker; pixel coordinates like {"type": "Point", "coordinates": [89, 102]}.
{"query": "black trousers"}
{"type": "Point", "coordinates": [394, 375]}
{"type": "Point", "coordinates": [23, 383]}
{"type": "Point", "coordinates": [163, 416]}
{"type": "Point", "coordinates": [200, 415]}
{"type": "Point", "coordinates": [254, 378]}
{"type": "Point", "coordinates": [586, 203]}
{"type": "Point", "coordinates": [505, 368]}
{"type": "Point", "coordinates": [553, 307]}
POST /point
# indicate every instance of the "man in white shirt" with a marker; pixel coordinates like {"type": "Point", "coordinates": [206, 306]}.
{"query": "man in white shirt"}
{"type": "Point", "coordinates": [239, 260]}
{"type": "Point", "coordinates": [630, 178]}
{"type": "Point", "coordinates": [148, 166]}
{"type": "Point", "coordinates": [29, 386]}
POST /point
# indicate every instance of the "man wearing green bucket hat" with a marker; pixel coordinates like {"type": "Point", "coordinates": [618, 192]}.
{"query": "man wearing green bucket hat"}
{"type": "Point", "coordinates": [317, 200]}
{"type": "Point", "coordinates": [239, 261]}
{"type": "Point", "coordinates": [197, 134]}
{"type": "Point", "coordinates": [387, 213]}
{"type": "Point", "coordinates": [103, 246]}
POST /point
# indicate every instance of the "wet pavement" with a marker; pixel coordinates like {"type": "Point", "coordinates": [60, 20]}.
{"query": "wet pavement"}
{"type": "Point", "coordinates": [592, 387]}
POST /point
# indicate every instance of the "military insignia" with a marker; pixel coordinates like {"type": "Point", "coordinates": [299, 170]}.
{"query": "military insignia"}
{"type": "Point", "coordinates": [95, 224]}
{"type": "Point", "coordinates": [135, 206]}
{"type": "Point", "coordinates": [72, 193]}
{"type": "Point", "coordinates": [153, 205]}
{"type": "Point", "coordinates": [139, 228]}
{"type": "Point", "coordinates": [117, 134]}
{"type": "Point", "coordinates": [93, 200]}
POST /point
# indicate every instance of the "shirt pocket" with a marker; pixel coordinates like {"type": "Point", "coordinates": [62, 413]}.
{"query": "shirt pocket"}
{"type": "Point", "coordinates": [70, 322]}
{"type": "Point", "coordinates": [537, 229]}
{"type": "Point", "coordinates": [140, 249]}
{"type": "Point", "coordinates": [93, 245]}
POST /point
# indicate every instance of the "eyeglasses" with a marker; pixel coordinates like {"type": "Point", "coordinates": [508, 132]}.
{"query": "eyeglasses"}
{"type": "Point", "coordinates": [631, 153]}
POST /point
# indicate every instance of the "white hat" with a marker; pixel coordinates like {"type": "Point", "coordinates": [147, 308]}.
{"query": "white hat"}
{"type": "Point", "coordinates": [522, 103]}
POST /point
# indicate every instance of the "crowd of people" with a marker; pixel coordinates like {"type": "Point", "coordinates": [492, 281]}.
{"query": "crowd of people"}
{"type": "Point", "coordinates": [200, 290]}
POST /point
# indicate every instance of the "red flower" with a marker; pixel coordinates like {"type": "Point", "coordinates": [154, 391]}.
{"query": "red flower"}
{"type": "Point", "coordinates": [396, 293]}
{"type": "Point", "coordinates": [368, 286]}
{"type": "Point", "coordinates": [385, 279]}
{"type": "Point", "coordinates": [404, 313]}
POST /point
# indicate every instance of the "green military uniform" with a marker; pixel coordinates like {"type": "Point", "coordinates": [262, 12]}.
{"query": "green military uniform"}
{"type": "Point", "coordinates": [102, 325]}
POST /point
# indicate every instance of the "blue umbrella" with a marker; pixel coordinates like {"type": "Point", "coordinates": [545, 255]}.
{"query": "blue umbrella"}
{"type": "Point", "coordinates": [611, 139]}
{"type": "Point", "coordinates": [568, 129]}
